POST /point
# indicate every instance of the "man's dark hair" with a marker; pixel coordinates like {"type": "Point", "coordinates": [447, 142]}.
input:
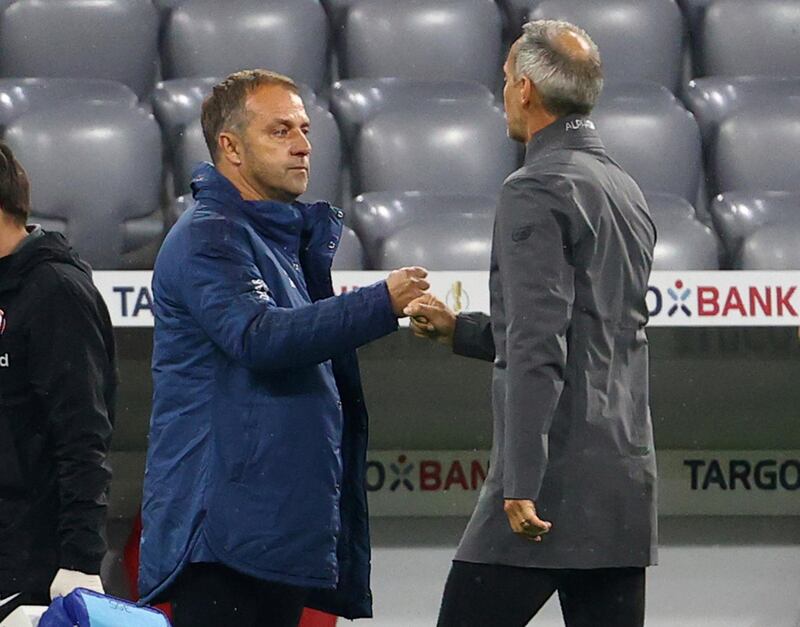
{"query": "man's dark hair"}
{"type": "Point", "coordinates": [15, 191]}
{"type": "Point", "coordinates": [224, 109]}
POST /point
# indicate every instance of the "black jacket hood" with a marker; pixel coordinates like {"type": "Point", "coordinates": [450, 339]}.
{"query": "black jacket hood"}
{"type": "Point", "coordinates": [48, 248]}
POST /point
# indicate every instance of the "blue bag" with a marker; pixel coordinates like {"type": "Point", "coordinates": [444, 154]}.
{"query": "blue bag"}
{"type": "Point", "coordinates": [85, 608]}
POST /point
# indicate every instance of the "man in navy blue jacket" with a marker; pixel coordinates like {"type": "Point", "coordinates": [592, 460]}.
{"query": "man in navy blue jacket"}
{"type": "Point", "coordinates": [254, 494]}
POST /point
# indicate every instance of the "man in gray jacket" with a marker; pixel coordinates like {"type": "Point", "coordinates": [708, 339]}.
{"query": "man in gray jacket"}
{"type": "Point", "coordinates": [569, 505]}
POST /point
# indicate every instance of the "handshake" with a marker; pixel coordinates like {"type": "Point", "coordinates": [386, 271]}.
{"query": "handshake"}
{"type": "Point", "coordinates": [430, 317]}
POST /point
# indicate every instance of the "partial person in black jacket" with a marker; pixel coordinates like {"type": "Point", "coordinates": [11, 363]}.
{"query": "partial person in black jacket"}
{"type": "Point", "coordinates": [569, 504]}
{"type": "Point", "coordinates": [57, 386]}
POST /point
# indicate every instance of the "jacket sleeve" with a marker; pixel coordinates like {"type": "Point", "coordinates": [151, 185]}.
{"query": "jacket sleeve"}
{"type": "Point", "coordinates": [532, 243]}
{"type": "Point", "coordinates": [69, 365]}
{"type": "Point", "coordinates": [473, 336]}
{"type": "Point", "coordinates": [230, 300]}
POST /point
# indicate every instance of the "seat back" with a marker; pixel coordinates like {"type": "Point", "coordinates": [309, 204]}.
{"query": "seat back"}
{"type": "Point", "coordinates": [114, 39]}
{"type": "Point", "coordinates": [425, 39]}
{"type": "Point", "coordinates": [95, 170]}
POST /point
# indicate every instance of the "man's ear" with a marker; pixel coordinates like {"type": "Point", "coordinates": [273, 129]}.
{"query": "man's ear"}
{"type": "Point", "coordinates": [526, 90]}
{"type": "Point", "coordinates": [229, 148]}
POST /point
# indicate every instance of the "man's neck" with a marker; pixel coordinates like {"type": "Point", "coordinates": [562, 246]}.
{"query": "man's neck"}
{"type": "Point", "coordinates": [248, 190]}
{"type": "Point", "coordinates": [539, 121]}
{"type": "Point", "coordinates": [11, 237]}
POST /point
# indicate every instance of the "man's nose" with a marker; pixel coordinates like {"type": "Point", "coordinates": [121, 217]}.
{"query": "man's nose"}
{"type": "Point", "coordinates": [302, 145]}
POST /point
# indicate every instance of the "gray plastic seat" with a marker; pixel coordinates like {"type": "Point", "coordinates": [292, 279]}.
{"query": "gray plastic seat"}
{"type": "Point", "coordinates": [650, 133]}
{"type": "Point", "coordinates": [377, 215]}
{"type": "Point", "coordinates": [757, 148]}
{"type": "Point", "coordinates": [516, 14]}
{"type": "Point", "coordinates": [425, 39]}
{"type": "Point", "coordinates": [737, 215]}
{"type": "Point", "coordinates": [455, 147]}
{"type": "Point", "coordinates": [337, 11]}
{"type": "Point", "coordinates": [714, 99]}
{"type": "Point", "coordinates": [177, 105]}
{"type": "Point", "coordinates": [21, 95]}
{"type": "Point", "coordinates": [212, 38]}
{"type": "Point", "coordinates": [168, 5]}
{"type": "Point", "coordinates": [114, 39]}
{"type": "Point", "coordinates": [448, 242]}
{"type": "Point", "coordinates": [684, 243]}
{"type": "Point", "coordinates": [742, 37]}
{"type": "Point", "coordinates": [350, 255]}
{"type": "Point", "coordinates": [95, 172]}
{"type": "Point", "coordinates": [355, 101]}
{"type": "Point", "coordinates": [177, 207]}
{"type": "Point", "coordinates": [772, 247]}
{"type": "Point", "coordinates": [694, 11]}
{"type": "Point", "coordinates": [638, 41]}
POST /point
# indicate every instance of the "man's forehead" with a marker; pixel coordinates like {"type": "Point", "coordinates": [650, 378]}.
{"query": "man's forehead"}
{"type": "Point", "coordinates": [512, 56]}
{"type": "Point", "coordinates": [276, 101]}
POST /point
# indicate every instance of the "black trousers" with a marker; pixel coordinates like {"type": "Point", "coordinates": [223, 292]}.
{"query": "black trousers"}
{"type": "Point", "coordinates": [212, 595]}
{"type": "Point", "coordinates": [488, 595]}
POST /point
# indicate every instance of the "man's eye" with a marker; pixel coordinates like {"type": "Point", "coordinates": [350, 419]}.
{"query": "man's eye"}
{"type": "Point", "coordinates": [281, 132]}
{"type": "Point", "coordinates": [306, 131]}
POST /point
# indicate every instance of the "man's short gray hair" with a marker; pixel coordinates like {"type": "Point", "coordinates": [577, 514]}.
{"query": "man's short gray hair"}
{"type": "Point", "coordinates": [567, 84]}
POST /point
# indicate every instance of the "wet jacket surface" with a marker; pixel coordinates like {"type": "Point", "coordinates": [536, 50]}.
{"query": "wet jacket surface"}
{"type": "Point", "coordinates": [572, 252]}
{"type": "Point", "coordinates": [258, 435]}
{"type": "Point", "coordinates": [58, 383]}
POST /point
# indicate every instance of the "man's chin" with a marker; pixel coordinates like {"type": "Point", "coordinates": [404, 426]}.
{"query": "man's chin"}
{"type": "Point", "coordinates": [516, 136]}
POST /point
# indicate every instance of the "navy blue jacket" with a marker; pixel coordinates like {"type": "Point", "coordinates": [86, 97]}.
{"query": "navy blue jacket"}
{"type": "Point", "coordinates": [258, 437]}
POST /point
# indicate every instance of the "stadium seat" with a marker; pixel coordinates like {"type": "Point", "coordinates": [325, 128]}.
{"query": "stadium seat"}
{"type": "Point", "coordinates": [168, 5]}
{"type": "Point", "coordinates": [177, 105]}
{"type": "Point", "coordinates": [694, 12]}
{"type": "Point", "coordinates": [209, 38]}
{"type": "Point", "coordinates": [337, 12]}
{"type": "Point", "coordinates": [177, 207]}
{"type": "Point", "coordinates": [684, 243]}
{"type": "Point", "coordinates": [714, 99]}
{"type": "Point", "coordinates": [426, 39]}
{"type": "Point", "coordinates": [95, 172]}
{"type": "Point", "coordinates": [757, 148]}
{"type": "Point", "coordinates": [20, 95]}
{"type": "Point", "coordinates": [457, 147]}
{"type": "Point", "coordinates": [378, 215]}
{"type": "Point", "coordinates": [737, 215]}
{"type": "Point", "coordinates": [114, 39]}
{"type": "Point", "coordinates": [357, 100]}
{"type": "Point", "coordinates": [649, 132]}
{"type": "Point", "coordinates": [447, 242]}
{"type": "Point", "coordinates": [742, 37]}
{"type": "Point", "coordinates": [638, 41]}
{"type": "Point", "coordinates": [772, 247]}
{"type": "Point", "coordinates": [516, 14]}
{"type": "Point", "coordinates": [350, 255]}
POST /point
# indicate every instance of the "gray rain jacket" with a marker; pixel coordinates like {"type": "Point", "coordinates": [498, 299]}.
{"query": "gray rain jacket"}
{"type": "Point", "coordinates": [571, 257]}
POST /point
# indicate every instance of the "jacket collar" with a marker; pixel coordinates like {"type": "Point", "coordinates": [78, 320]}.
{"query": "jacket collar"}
{"type": "Point", "coordinates": [45, 247]}
{"type": "Point", "coordinates": [576, 132]}
{"type": "Point", "coordinates": [288, 224]}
